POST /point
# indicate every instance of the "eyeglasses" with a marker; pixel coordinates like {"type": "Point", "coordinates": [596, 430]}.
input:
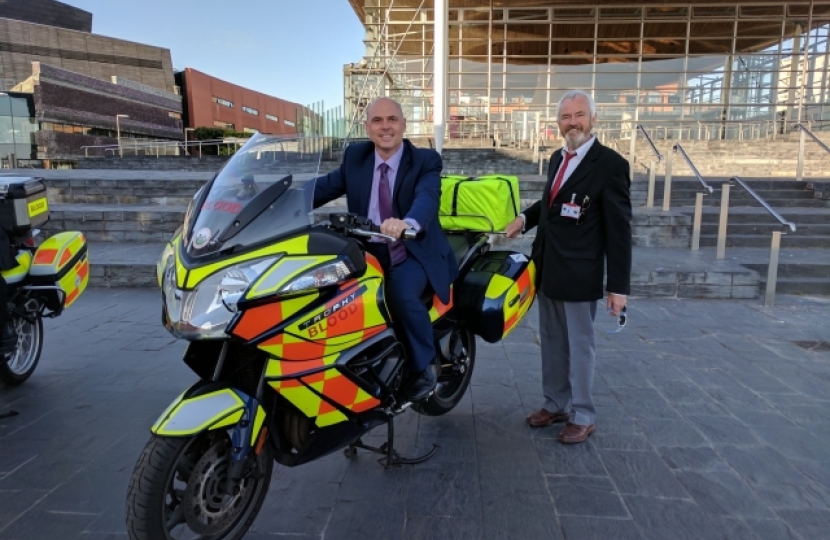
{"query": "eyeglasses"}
{"type": "Point", "coordinates": [621, 320]}
{"type": "Point", "coordinates": [586, 204]}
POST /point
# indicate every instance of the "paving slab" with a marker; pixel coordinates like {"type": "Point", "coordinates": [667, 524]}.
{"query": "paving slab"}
{"type": "Point", "coordinates": [676, 454]}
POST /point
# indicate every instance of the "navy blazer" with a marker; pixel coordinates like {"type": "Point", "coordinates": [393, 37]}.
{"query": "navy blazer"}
{"type": "Point", "coordinates": [571, 257]}
{"type": "Point", "coordinates": [417, 195]}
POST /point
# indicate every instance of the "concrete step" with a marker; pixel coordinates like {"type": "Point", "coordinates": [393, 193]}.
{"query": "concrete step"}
{"type": "Point", "coordinates": [750, 203]}
{"type": "Point", "coordinates": [116, 222]}
{"type": "Point", "coordinates": [802, 217]}
{"type": "Point", "coordinates": [794, 270]}
{"type": "Point", "coordinates": [753, 240]}
{"type": "Point", "coordinates": [124, 264]}
{"type": "Point", "coordinates": [801, 285]}
{"type": "Point", "coordinates": [123, 191]}
{"type": "Point", "coordinates": [765, 229]}
{"type": "Point", "coordinates": [737, 195]}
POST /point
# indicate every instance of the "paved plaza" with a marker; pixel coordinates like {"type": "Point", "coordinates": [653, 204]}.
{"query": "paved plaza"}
{"type": "Point", "coordinates": [713, 424]}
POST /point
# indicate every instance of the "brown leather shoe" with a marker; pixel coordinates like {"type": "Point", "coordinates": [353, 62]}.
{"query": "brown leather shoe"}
{"type": "Point", "coordinates": [543, 417]}
{"type": "Point", "coordinates": [574, 433]}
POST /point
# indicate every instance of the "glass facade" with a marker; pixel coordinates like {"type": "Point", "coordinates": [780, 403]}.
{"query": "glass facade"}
{"type": "Point", "coordinates": [726, 70]}
{"type": "Point", "coordinates": [17, 126]}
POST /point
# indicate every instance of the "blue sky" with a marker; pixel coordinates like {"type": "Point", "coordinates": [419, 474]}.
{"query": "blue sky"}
{"type": "Point", "coordinates": [291, 49]}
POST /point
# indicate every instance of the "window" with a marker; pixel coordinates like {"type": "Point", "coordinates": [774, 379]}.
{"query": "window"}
{"type": "Point", "coordinates": [249, 130]}
{"type": "Point", "coordinates": [217, 123]}
{"type": "Point", "coordinates": [289, 123]}
{"type": "Point", "coordinates": [272, 117]}
{"type": "Point", "coordinates": [175, 115]}
{"type": "Point", "coordinates": [250, 110]}
{"type": "Point", "coordinates": [223, 102]}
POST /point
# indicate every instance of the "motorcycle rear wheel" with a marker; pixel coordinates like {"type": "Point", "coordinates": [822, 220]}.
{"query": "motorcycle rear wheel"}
{"type": "Point", "coordinates": [455, 375]}
{"type": "Point", "coordinates": [177, 482]}
{"type": "Point", "coordinates": [17, 366]}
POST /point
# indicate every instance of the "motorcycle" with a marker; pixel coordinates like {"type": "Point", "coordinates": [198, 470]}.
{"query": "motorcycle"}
{"type": "Point", "coordinates": [48, 278]}
{"type": "Point", "coordinates": [296, 353]}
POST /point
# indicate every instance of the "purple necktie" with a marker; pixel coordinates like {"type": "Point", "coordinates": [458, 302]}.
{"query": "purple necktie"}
{"type": "Point", "coordinates": [397, 252]}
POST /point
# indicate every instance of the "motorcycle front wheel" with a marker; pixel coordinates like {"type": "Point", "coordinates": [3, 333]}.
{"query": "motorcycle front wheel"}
{"type": "Point", "coordinates": [18, 365]}
{"type": "Point", "coordinates": [179, 490]}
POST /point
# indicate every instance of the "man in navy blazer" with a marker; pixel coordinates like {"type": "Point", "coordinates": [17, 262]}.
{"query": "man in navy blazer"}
{"type": "Point", "coordinates": [390, 176]}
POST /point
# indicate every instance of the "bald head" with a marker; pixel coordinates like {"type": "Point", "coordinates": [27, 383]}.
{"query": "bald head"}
{"type": "Point", "coordinates": [385, 101]}
{"type": "Point", "coordinates": [385, 125]}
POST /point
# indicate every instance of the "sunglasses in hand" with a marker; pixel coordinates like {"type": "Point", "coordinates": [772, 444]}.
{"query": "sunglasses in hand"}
{"type": "Point", "coordinates": [621, 320]}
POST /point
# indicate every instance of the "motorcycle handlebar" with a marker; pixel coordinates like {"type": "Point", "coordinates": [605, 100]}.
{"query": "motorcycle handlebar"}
{"type": "Point", "coordinates": [364, 227]}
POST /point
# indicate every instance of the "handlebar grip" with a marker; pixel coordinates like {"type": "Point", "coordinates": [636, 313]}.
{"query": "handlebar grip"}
{"type": "Point", "coordinates": [412, 234]}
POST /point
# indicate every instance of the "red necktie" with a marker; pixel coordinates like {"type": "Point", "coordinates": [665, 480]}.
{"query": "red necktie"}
{"type": "Point", "coordinates": [397, 251]}
{"type": "Point", "coordinates": [560, 176]}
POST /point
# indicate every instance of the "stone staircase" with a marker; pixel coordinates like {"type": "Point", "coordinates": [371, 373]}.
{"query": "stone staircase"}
{"type": "Point", "coordinates": [128, 214]}
{"type": "Point", "coordinates": [724, 158]}
{"type": "Point", "coordinates": [750, 226]}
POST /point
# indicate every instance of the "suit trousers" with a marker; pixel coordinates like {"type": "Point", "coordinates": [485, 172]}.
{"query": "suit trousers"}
{"type": "Point", "coordinates": [568, 357]}
{"type": "Point", "coordinates": [405, 283]}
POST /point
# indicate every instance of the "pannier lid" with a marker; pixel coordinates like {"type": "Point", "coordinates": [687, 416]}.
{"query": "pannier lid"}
{"type": "Point", "coordinates": [20, 186]}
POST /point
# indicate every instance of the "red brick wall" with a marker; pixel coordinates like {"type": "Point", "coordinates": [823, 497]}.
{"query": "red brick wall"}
{"type": "Point", "coordinates": [200, 89]}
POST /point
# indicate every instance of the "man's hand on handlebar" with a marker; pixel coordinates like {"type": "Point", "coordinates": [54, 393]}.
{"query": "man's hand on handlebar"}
{"type": "Point", "coordinates": [394, 227]}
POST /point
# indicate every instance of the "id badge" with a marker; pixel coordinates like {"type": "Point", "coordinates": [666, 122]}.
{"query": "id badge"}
{"type": "Point", "coordinates": [570, 210]}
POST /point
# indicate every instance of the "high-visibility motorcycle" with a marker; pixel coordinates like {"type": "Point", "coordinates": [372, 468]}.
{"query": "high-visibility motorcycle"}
{"type": "Point", "coordinates": [48, 277]}
{"type": "Point", "coordinates": [290, 336]}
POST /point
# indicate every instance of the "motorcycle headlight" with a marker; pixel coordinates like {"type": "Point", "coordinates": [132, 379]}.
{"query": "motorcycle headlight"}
{"type": "Point", "coordinates": [164, 262]}
{"type": "Point", "coordinates": [205, 311]}
{"type": "Point", "coordinates": [320, 276]}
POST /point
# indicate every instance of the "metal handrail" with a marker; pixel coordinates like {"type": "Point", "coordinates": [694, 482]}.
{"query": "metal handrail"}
{"type": "Point", "coordinates": [775, 244]}
{"type": "Point", "coordinates": [651, 143]}
{"type": "Point", "coordinates": [133, 143]}
{"type": "Point", "coordinates": [691, 165]}
{"type": "Point", "coordinates": [764, 203]}
{"type": "Point", "coordinates": [803, 128]}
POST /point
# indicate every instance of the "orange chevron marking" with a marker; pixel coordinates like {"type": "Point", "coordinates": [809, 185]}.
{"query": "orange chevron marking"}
{"type": "Point", "coordinates": [46, 256]}
{"type": "Point", "coordinates": [65, 257]}
{"type": "Point", "coordinates": [257, 320]}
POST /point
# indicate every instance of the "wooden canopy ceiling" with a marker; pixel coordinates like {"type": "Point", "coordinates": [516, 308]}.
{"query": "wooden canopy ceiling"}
{"type": "Point", "coordinates": [712, 26]}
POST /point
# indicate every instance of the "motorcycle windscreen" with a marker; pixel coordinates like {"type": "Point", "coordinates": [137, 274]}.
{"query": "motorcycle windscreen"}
{"type": "Point", "coordinates": [265, 190]}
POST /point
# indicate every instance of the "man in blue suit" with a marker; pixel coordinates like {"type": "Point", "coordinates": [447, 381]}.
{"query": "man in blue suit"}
{"type": "Point", "coordinates": [398, 187]}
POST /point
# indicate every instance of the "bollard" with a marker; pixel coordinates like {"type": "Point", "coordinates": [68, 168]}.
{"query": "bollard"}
{"type": "Point", "coordinates": [651, 179]}
{"type": "Point", "coordinates": [799, 172]}
{"type": "Point", "coordinates": [724, 216]}
{"type": "Point", "coordinates": [667, 183]}
{"type": "Point", "coordinates": [696, 224]}
{"type": "Point", "coordinates": [541, 164]}
{"type": "Point", "coordinates": [772, 269]}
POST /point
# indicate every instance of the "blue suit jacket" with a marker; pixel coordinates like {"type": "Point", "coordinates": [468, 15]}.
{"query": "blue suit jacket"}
{"type": "Point", "coordinates": [417, 195]}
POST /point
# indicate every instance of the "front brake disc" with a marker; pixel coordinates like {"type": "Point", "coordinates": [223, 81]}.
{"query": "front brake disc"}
{"type": "Point", "coordinates": [208, 510]}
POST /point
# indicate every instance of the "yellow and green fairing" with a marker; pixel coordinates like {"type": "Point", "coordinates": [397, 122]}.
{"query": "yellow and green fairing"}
{"type": "Point", "coordinates": [219, 409]}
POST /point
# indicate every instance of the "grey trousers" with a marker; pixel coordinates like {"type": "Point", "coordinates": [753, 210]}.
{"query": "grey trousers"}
{"type": "Point", "coordinates": [568, 357]}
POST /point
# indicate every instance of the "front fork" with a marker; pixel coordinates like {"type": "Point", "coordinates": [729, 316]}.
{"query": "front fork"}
{"type": "Point", "coordinates": [242, 443]}
{"type": "Point", "coordinates": [248, 436]}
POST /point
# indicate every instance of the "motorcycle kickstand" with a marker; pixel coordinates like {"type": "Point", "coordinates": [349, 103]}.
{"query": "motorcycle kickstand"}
{"type": "Point", "coordinates": [392, 459]}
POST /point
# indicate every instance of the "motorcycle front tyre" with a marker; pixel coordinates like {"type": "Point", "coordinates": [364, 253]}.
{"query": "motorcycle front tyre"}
{"type": "Point", "coordinates": [162, 463]}
{"type": "Point", "coordinates": [18, 365]}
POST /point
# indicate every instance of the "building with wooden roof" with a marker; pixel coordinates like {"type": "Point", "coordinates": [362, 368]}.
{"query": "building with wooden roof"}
{"type": "Point", "coordinates": [683, 70]}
